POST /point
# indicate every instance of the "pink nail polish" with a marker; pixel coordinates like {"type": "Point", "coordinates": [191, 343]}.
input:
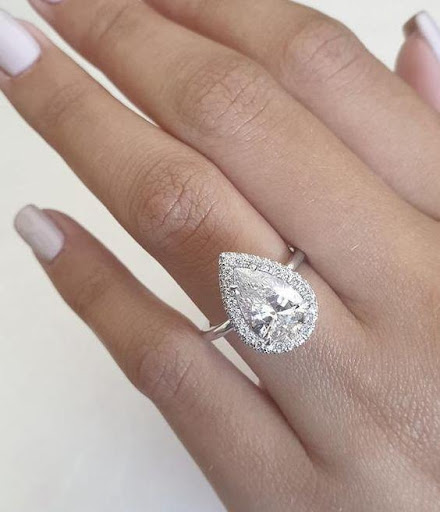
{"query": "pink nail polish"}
{"type": "Point", "coordinates": [18, 49]}
{"type": "Point", "coordinates": [40, 232]}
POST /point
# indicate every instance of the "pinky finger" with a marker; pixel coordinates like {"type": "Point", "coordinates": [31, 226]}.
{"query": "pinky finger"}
{"type": "Point", "coordinates": [213, 408]}
{"type": "Point", "coordinates": [419, 59]}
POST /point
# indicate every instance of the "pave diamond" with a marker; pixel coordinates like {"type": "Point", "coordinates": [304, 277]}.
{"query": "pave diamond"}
{"type": "Point", "coordinates": [271, 307]}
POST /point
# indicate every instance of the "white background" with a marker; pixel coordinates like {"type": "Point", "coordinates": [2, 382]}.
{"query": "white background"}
{"type": "Point", "coordinates": [74, 435]}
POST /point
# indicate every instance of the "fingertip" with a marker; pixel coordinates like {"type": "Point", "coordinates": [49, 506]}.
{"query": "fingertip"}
{"type": "Point", "coordinates": [420, 68]}
{"type": "Point", "coordinates": [19, 50]}
{"type": "Point", "coordinates": [40, 232]}
{"type": "Point", "coordinates": [22, 47]}
{"type": "Point", "coordinates": [44, 7]}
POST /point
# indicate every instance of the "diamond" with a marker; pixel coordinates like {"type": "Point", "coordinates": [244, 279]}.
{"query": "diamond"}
{"type": "Point", "coordinates": [272, 308]}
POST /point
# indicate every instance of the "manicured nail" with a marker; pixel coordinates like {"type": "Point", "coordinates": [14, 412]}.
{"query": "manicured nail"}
{"type": "Point", "coordinates": [18, 49]}
{"type": "Point", "coordinates": [40, 232]}
{"type": "Point", "coordinates": [425, 26]}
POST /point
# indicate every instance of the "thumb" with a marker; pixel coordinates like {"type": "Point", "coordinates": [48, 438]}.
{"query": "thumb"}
{"type": "Point", "coordinates": [419, 60]}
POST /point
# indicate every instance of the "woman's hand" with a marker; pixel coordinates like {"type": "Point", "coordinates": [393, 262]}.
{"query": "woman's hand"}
{"type": "Point", "coordinates": [276, 125]}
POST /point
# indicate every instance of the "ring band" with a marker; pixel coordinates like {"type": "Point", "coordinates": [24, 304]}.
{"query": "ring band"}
{"type": "Point", "coordinates": [269, 305]}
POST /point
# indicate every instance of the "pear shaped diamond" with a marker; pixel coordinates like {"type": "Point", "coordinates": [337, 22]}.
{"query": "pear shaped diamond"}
{"type": "Point", "coordinates": [271, 307]}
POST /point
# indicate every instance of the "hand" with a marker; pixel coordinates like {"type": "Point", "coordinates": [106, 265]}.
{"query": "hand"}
{"type": "Point", "coordinates": [293, 132]}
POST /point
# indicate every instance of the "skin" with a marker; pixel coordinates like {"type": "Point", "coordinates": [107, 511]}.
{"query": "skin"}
{"type": "Point", "coordinates": [293, 133]}
{"type": "Point", "coordinates": [419, 67]}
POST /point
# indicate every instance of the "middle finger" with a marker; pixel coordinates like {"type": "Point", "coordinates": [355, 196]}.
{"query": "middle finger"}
{"type": "Point", "coordinates": [310, 187]}
{"type": "Point", "coordinates": [325, 66]}
{"type": "Point", "coordinates": [176, 204]}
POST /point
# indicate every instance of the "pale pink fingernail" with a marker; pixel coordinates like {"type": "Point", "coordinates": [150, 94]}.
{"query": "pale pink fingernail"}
{"type": "Point", "coordinates": [18, 49]}
{"type": "Point", "coordinates": [425, 26]}
{"type": "Point", "coordinates": [40, 232]}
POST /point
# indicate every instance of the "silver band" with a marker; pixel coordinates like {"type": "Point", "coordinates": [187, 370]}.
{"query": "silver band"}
{"type": "Point", "coordinates": [222, 330]}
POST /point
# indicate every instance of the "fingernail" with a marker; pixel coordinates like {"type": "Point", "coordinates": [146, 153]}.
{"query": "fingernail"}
{"type": "Point", "coordinates": [424, 24]}
{"type": "Point", "coordinates": [40, 232]}
{"type": "Point", "coordinates": [18, 49]}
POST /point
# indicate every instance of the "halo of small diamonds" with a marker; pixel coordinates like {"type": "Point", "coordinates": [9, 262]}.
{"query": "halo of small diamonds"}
{"type": "Point", "coordinates": [228, 262]}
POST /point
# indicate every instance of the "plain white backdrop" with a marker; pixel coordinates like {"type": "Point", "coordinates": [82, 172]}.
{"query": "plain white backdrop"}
{"type": "Point", "coordinates": [74, 435]}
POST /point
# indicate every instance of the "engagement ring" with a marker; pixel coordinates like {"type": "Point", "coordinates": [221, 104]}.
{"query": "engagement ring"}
{"type": "Point", "coordinates": [269, 305]}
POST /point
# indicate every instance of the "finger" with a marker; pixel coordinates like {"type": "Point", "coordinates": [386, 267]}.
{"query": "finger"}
{"type": "Point", "coordinates": [178, 205]}
{"type": "Point", "coordinates": [419, 59]}
{"type": "Point", "coordinates": [105, 149]}
{"type": "Point", "coordinates": [170, 198]}
{"type": "Point", "coordinates": [212, 407]}
{"type": "Point", "coordinates": [322, 63]}
{"type": "Point", "coordinates": [303, 180]}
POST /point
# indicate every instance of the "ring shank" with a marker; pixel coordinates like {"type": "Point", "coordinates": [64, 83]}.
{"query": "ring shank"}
{"type": "Point", "coordinates": [218, 331]}
{"type": "Point", "coordinates": [221, 330]}
{"type": "Point", "coordinates": [296, 259]}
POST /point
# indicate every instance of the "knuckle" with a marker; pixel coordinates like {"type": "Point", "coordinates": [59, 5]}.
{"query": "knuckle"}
{"type": "Point", "coordinates": [66, 104]}
{"type": "Point", "coordinates": [323, 51]}
{"type": "Point", "coordinates": [112, 22]}
{"type": "Point", "coordinates": [173, 204]}
{"type": "Point", "coordinates": [166, 369]}
{"type": "Point", "coordinates": [223, 96]}
{"type": "Point", "coordinates": [90, 292]}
